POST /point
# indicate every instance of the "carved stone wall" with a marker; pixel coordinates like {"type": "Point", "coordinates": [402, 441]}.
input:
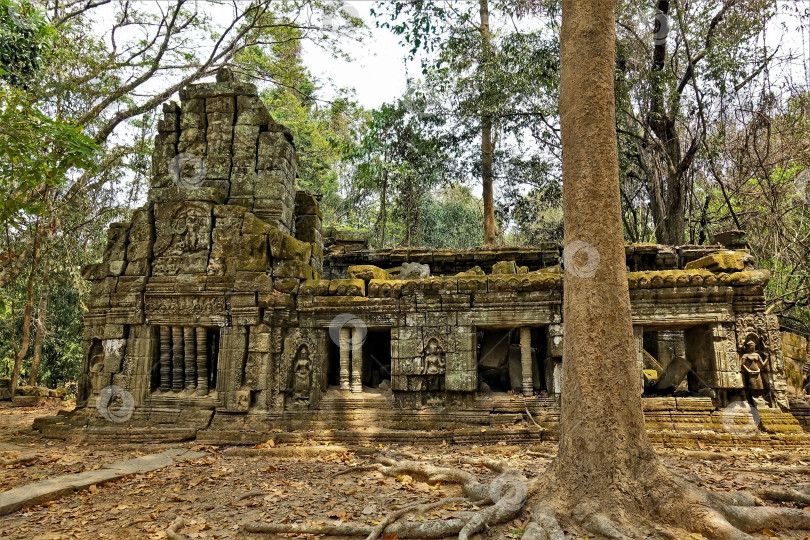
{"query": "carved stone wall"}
{"type": "Point", "coordinates": [218, 295]}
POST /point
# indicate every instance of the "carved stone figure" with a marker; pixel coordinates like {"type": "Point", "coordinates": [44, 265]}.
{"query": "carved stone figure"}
{"type": "Point", "coordinates": [302, 378]}
{"type": "Point", "coordinates": [753, 366]}
{"type": "Point", "coordinates": [98, 378]}
{"type": "Point", "coordinates": [434, 358]}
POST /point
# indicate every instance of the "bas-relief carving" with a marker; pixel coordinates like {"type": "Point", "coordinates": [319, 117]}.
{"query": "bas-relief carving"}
{"type": "Point", "coordinates": [434, 358]}
{"type": "Point", "coordinates": [763, 330]}
{"type": "Point", "coordinates": [302, 377]}
{"type": "Point", "coordinates": [183, 233]}
{"type": "Point", "coordinates": [432, 361]}
{"type": "Point", "coordinates": [188, 307]}
{"type": "Point", "coordinates": [300, 366]}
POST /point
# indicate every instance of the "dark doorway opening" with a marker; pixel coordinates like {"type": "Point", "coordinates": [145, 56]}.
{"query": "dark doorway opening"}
{"type": "Point", "coordinates": [377, 358]}
{"type": "Point", "coordinates": [493, 359]}
{"type": "Point", "coordinates": [333, 364]}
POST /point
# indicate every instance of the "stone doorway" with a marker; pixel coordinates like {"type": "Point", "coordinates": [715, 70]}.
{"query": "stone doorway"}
{"type": "Point", "coordinates": [377, 358]}
{"type": "Point", "coordinates": [513, 360]}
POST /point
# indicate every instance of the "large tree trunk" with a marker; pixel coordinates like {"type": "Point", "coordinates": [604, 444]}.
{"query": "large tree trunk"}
{"type": "Point", "coordinates": [42, 315]}
{"type": "Point", "coordinates": [486, 133]}
{"type": "Point", "coordinates": [603, 443]}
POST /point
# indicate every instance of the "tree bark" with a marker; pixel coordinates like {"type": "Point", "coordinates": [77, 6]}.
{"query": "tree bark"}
{"type": "Point", "coordinates": [42, 314]}
{"type": "Point", "coordinates": [486, 131]}
{"type": "Point", "coordinates": [25, 340]}
{"type": "Point", "coordinates": [603, 443]}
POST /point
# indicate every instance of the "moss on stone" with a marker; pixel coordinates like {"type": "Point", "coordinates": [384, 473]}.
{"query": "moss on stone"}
{"type": "Point", "coordinates": [504, 267]}
{"type": "Point", "coordinates": [366, 272]}
{"type": "Point", "coordinates": [723, 261]}
{"type": "Point", "coordinates": [347, 287]}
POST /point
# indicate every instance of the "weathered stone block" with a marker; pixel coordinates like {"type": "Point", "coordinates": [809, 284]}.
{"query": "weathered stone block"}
{"type": "Point", "coordinates": [292, 269]}
{"type": "Point", "coordinates": [253, 281]}
{"type": "Point", "coordinates": [347, 287]}
{"type": "Point", "coordinates": [221, 104]}
{"type": "Point", "coordinates": [217, 166]}
{"type": "Point", "coordinates": [290, 248]}
{"type": "Point", "coordinates": [366, 272]}
{"type": "Point", "coordinates": [314, 287]}
{"type": "Point", "coordinates": [306, 204]}
{"type": "Point", "coordinates": [192, 121]}
{"type": "Point", "coordinates": [286, 285]}
{"type": "Point", "coordinates": [192, 106]}
{"type": "Point", "coordinates": [272, 190]}
{"type": "Point", "coordinates": [461, 381]}
{"type": "Point", "coordinates": [253, 253]}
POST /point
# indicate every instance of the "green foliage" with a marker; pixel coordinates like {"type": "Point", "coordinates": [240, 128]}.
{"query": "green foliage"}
{"type": "Point", "coordinates": [452, 218]}
{"type": "Point", "coordinates": [36, 152]}
{"type": "Point", "coordinates": [25, 37]}
{"type": "Point", "coordinates": [510, 79]}
{"type": "Point", "coordinates": [403, 156]}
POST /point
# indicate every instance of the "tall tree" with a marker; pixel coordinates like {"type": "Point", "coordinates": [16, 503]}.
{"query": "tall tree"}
{"type": "Point", "coordinates": [490, 82]}
{"type": "Point", "coordinates": [486, 127]}
{"type": "Point", "coordinates": [702, 58]}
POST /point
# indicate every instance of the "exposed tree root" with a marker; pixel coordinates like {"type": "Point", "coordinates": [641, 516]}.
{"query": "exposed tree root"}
{"type": "Point", "coordinates": [418, 508]}
{"type": "Point", "coordinates": [788, 495]}
{"type": "Point", "coordinates": [173, 532]}
{"type": "Point", "coordinates": [661, 499]}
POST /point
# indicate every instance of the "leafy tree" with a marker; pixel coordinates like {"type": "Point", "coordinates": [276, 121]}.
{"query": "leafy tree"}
{"type": "Point", "coordinates": [451, 218]}
{"type": "Point", "coordinates": [702, 58]}
{"type": "Point", "coordinates": [495, 86]}
{"type": "Point", "coordinates": [25, 36]}
{"type": "Point", "coordinates": [401, 159]}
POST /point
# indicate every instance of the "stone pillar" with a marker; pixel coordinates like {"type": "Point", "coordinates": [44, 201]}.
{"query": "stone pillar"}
{"type": "Point", "coordinates": [526, 360]}
{"type": "Point", "coordinates": [191, 358]}
{"type": "Point", "coordinates": [178, 368]}
{"type": "Point", "coordinates": [165, 358]}
{"type": "Point", "coordinates": [357, 360]}
{"type": "Point", "coordinates": [202, 361]}
{"type": "Point", "coordinates": [638, 338]}
{"type": "Point", "coordinates": [345, 345]}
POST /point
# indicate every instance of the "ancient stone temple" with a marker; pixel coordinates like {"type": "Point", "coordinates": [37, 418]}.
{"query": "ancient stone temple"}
{"type": "Point", "coordinates": [215, 313]}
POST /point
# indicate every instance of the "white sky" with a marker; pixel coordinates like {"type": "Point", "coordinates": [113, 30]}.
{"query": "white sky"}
{"type": "Point", "coordinates": [378, 71]}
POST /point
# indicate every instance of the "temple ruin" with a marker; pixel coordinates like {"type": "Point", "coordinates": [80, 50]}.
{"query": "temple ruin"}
{"type": "Point", "coordinates": [224, 311]}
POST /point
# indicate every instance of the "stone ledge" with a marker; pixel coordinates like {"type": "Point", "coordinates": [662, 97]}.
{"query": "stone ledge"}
{"type": "Point", "coordinates": [54, 488]}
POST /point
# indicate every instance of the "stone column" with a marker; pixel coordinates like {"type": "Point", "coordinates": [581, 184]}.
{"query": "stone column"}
{"type": "Point", "coordinates": [526, 360]}
{"type": "Point", "coordinates": [178, 367]}
{"type": "Point", "coordinates": [357, 361]}
{"type": "Point", "coordinates": [345, 346]}
{"type": "Point", "coordinates": [202, 361]}
{"type": "Point", "coordinates": [165, 358]}
{"type": "Point", "coordinates": [191, 358]}
{"type": "Point", "coordinates": [638, 339]}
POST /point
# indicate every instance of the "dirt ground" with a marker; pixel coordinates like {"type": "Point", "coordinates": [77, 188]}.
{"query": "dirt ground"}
{"type": "Point", "coordinates": [217, 493]}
